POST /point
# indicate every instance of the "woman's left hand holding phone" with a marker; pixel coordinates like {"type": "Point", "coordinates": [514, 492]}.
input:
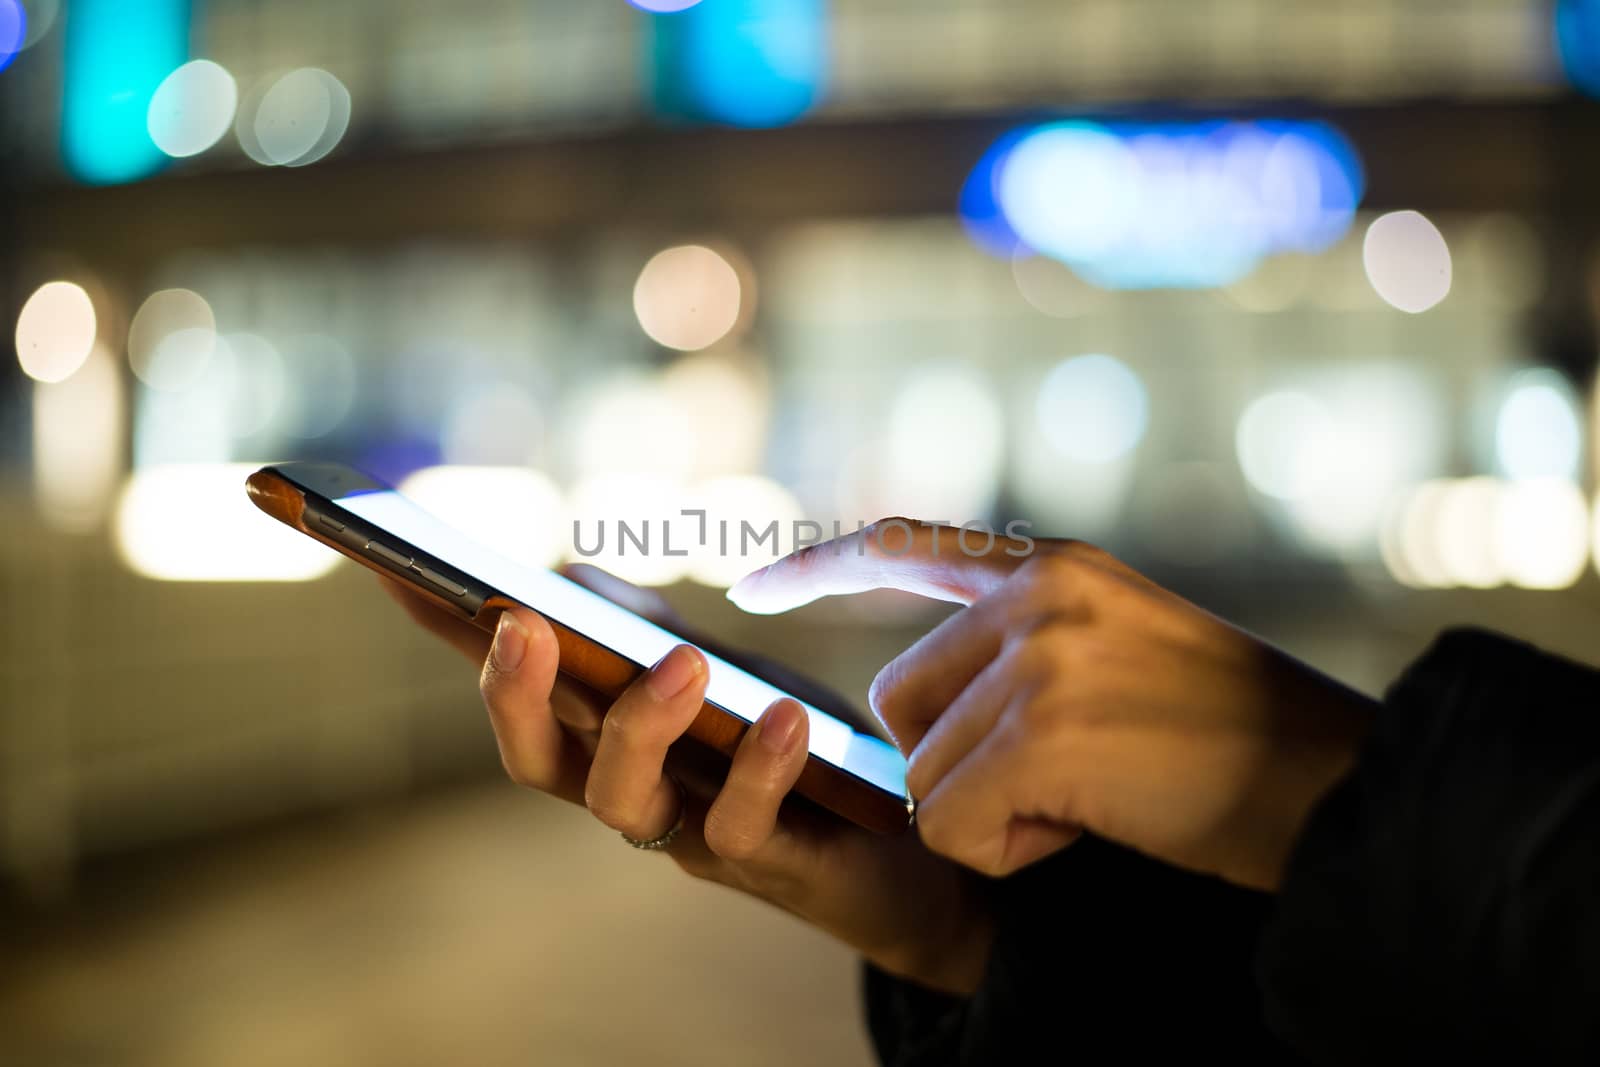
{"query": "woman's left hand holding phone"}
{"type": "Point", "coordinates": [905, 909]}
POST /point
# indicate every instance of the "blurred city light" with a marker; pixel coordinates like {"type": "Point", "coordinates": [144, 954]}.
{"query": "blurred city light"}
{"type": "Point", "coordinates": [1483, 532]}
{"type": "Point", "coordinates": [1542, 533]}
{"type": "Point", "coordinates": [193, 522]}
{"type": "Point", "coordinates": [117, 53]}
{"type": "Point", "coordinates": [629, 425]}
{"type": "Point", "coordinates": [1539, 432]}
{"type": "Point", "coordinates": [294, 119]}
{"type": "Point", "coordinates": [493, 425]}
{"type": "Point", "coordinates": [55, 331]}
{"type": "Point", "coordinates": [1282, 439]}
{"type": "Point", "coordinates": [515, 511]}
{"type": "Point", "coordinates": [78, 444]}
{"type": "Point", "coordinates": [171, 339]}
{"type": "Point", "coordinates": [1407, 261]}
{"type": "Point", "coordinates": [1050, 286]}
{"type": "Point", "coordinates": [942, 451]}
{"type": "Point", "coordinates": [258, 384]}
{"type": "Point", "coordinates": [650, 508]}
{"type": "Point", "coordinates": [687, 297]}
{"type": "Point", "coordinates": [1150, 206]}
{"type": "Point", "coordinates": [191, 423]}
{"type": "Point", "coordinates": [13, 31]}
{"type": "Point", "coordinates": [1577, 32]}
{"type": "Point", "coordinates": [979, 207]}
{"type": "Point", "coordinates": [322, 379]}
{"type": "Point", "coordinates": [736, 390]}
{"type": "Point", "coordinates": [1464, 519]}
{"type": "Point", "coordinates": [1093, 409]}
{"type": "Point", "coordinates": [752, 63]}
{"type": "Point", "coordinates": [727, 554]}
{"type": "Point", "coordinates": [192, 108]}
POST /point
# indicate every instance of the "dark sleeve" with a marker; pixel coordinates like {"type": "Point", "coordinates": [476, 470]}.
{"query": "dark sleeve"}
{"type": "Point", "coordinates": [1443, 903]}
{"type": "Point", "coordinates": [1103, 956]}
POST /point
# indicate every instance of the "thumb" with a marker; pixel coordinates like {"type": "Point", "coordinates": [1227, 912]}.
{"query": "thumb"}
{"type": "Point", "coordinates": [917, 557]}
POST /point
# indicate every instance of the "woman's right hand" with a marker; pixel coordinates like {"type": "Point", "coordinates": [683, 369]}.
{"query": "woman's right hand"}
{"type": "Point", "coordinates": [908, 911]}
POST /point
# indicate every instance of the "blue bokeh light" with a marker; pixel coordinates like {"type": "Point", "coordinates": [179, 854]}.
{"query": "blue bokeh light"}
{"type": "Point", "coordinates": [750, 63]}
{"type": "Point", "coordinates": [117, 53]}
{"type": "Point", "coordinates": [1172, 205]}
{"type": "Point", "coordinates": [663, 7]}
{"type": "Point", "coordinates": [13, 30]}
{"type": "Point", "coordinates": [980, 200]}
{"type": "Point", "coordinates": [1578, 42]}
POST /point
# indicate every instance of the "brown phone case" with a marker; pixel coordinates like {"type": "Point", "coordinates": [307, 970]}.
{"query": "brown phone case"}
{"type": "Point", "coordinates": [609, 674]}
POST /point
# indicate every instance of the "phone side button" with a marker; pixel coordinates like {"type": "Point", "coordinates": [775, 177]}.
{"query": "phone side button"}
{"type": "Point", "coordinates": [435, 578]}
{"type": "Point", "coordinates": [331, 523]}
{"type": "Point", "coordinates": [384, 552]}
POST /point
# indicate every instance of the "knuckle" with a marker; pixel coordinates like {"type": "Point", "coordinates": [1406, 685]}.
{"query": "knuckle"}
{"type": "Point", "coordinates": [892, 536]}
{"type": "Point", "coordinates": [1051, 576]}
{"type": "Point", "coordinates": [884, 692]}
{"type": "Point", "coordinates": [918, 782]}
{"type": "Point", "coordinates": [725, 837]}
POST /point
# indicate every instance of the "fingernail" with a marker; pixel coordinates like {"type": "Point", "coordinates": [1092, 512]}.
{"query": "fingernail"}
{"type": "Point", "coordinates": [780, 726]}
{"type": "Point", "coordinates": [674, 673]}
{"type": "Point", "coordinates": [510, 643]}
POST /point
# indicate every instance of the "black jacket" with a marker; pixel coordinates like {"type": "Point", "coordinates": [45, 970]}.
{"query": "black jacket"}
{"type": "Point", "coordinates": [1442, 905]}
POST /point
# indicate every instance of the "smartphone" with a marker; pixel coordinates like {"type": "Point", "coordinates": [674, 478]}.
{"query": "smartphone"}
{"type": "Point", "coordinates": [602, 645]}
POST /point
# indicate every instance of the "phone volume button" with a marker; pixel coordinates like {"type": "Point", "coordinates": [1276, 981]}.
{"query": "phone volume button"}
{"type": "Point", "coordinates": [384, 552]}
{"type": "Point", "coordinates": [435, 578]}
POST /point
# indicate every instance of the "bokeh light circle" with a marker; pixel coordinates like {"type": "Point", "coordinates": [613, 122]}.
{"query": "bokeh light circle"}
{"type": "Point", "coordinates": [13, 31]}
{"type": "Point", "coordinates": [55, 331]}
{"type": "Point", "coordinates": [1093, 409]}
{"type": "Point", "coordinates": [1407, 261]}
{"type": "Point", "coordinates": [1538, 432]}
{"type": "Point", "coordinates": [171, 339]}
{"type": "Point", "coordinates": [192, 108]}
{"type": "Point", "coordinates": [295, 119]}
{"type": "Point", "coordinates": [687, 298]}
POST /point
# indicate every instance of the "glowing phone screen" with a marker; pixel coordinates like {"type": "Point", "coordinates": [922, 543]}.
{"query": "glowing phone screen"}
{"type": "Point", "coordinates": [635, 638]}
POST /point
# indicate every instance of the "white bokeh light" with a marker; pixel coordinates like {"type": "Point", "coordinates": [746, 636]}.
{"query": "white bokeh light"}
{"type": "Point", "coordinates": [78, 429]}
{"type": "Point", "coordinates": [1538, 432]}
{"type": "Point", "coordinates": [192, 108]}
{"type": "Point", "coordinates": [727, 554]}
{"type": "Point", "coordinates": [602, 507]}
{"type": "Point", "coordinates": [295, 119]}
{"type": "Point", "coordinates": [497, 424]}
{"type": "Point", "coordinates": [194, 522]}
{"type": "Point", "coordinates": [629, 424]}
{"type": "Point", "coordinates": [688, 298]}
{"type": "Point", "coordinates": [1093, 409]}
{"type": "Point", "coordinates": [1541, 535]}
{"type": "Point", "coordinates": [1463, 525]}
{"type": "Point", "coordinates": [515, 511]}
{"type": "Point", "coordinates": [733, 441]}
{"type": "Point", "coordinates": [1407, 261]}
{"type": "Point", "coordinates": [1280, 438]}
{"type": "Point", "coordinates": [171, 339]}
{"type": "Point", "coordinates": [55, 331]}
{"type": "Point", "coordinates": [941, 454]}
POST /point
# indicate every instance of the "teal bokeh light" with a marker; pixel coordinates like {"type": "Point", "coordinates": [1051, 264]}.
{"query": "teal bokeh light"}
{"type": "Point", "coordinates": [753, 63]}
{"type": "Point", "coordinates": [117, 53]}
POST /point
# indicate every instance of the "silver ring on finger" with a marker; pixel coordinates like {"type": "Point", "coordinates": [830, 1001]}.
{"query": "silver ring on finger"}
{"type": "Point", "coordinates": [655, 844]}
